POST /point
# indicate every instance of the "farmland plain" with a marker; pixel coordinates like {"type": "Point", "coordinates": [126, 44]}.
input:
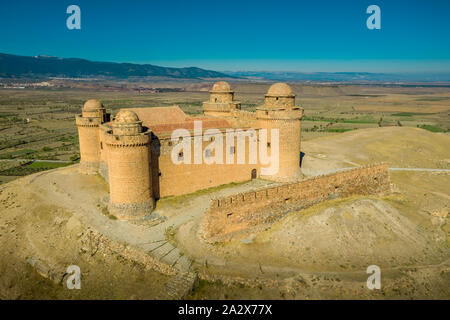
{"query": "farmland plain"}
{"type": "Point", "coordinates": [38, 132]}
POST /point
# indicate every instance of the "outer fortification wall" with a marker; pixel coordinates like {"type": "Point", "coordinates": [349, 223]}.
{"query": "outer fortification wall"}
{"type": "Point", "coordinates": [242, 214]}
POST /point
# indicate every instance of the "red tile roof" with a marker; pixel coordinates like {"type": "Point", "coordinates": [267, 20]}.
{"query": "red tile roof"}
{"type": "Point", "coordinates": [163, 120]}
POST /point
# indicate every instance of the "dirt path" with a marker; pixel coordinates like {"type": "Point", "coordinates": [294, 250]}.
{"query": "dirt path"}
{"type": "Point", "coordinates": [420, 169]}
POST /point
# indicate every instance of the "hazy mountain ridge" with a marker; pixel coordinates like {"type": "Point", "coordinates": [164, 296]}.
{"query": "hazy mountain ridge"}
{"type": "Point", "coordinates": [12, 66]}
{"type": "Point", "coordinates": [15, 66]}
{"type": "Point", "coordinates": [358, 77]}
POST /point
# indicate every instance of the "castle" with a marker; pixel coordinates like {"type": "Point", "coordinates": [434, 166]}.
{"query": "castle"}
{"type": "Point", "coordinates": [132, 151]}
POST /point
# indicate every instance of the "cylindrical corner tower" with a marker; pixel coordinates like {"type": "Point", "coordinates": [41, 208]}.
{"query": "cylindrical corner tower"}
{"type": "Point", "coordinates": [280, 112]}
{"type": "Point", "coordinates": [130, 181]}
{"type": "Point", "coordinates": [221, 101]}
{"type": "Point", "coordinates": [92, 116]}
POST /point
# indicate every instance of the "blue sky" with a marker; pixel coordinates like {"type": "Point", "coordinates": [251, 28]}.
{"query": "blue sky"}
{"type": "Point", "coordinates": [234, 35]}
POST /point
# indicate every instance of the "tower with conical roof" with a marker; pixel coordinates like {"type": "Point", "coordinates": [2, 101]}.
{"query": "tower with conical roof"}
{"type": "Point", "coordinates": [130, 179]}
{"type": "Point", "coordinates": [221, 101]}
{"type": "Point", "coordinates": [92, 116]}
{"type": "Point", "coordinates": [280, 112]}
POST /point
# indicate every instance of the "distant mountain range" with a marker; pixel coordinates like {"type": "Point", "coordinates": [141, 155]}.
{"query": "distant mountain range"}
{"type": "Point", "coordinates": [13, 66]}
{"type": "Point", "coordinates": [354, 77]}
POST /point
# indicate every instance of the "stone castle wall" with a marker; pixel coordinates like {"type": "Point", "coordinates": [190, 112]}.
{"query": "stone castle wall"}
{"type": "Point", "coordinates": [177, 179]}
{"type": "Point", "coordinates": [243, 119]}
{"type": "Point", "coordinates": [244, 115]}
{"type": "Point", "coordinates": [242, 214]}
{"type": "Point", "coordinates": [103, 164]}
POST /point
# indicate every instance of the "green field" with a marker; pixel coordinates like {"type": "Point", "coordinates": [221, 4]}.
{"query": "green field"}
{"type": "Point", "coordinates": [432, 128]}
{"type": "Point", "coordinates": [32, 167]}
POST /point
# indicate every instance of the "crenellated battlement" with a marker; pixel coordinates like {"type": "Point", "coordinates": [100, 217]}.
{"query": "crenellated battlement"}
{"type": "Point", "coordinates": [120, 141]}
{"type": "Point", "coordinates": [243, 114]}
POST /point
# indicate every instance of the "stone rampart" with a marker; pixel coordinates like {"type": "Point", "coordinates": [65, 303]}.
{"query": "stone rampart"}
{"type": "Point", "coordinates": [242, 214]}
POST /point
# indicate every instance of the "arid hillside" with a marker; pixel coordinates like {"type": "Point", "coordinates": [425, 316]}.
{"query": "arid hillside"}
{"type": "Point", "coordinates": [53, 219]}
{"type": "Point", "coordinates": [397, 146]}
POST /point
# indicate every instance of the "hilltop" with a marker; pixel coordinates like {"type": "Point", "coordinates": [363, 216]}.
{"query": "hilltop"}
{"type": "Point", "coordinates": [397, 146]}
{"type": "Point", "coordinates": [55, 218]}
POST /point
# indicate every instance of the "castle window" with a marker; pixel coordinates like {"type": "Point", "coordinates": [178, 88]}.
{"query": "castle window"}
{"type": "Point", "coordinates": [267, 113]}
{"type": "Point", "coordinates": [180, 156]}
{"type": "Point", "coordinates": [268, 144]}
{"type": "Point", "coordinates": [276, 98]}
{"type": "Point", "coordinates": [169, 143]}
{"type": "Point", "coordinates": [212, 138]}
{"type": "Point", "coordinates": [101, 145]}
{"type": "Point", "coordinates": [208, 153]}
{"type": "Point", "coordinates": [232, 150]}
